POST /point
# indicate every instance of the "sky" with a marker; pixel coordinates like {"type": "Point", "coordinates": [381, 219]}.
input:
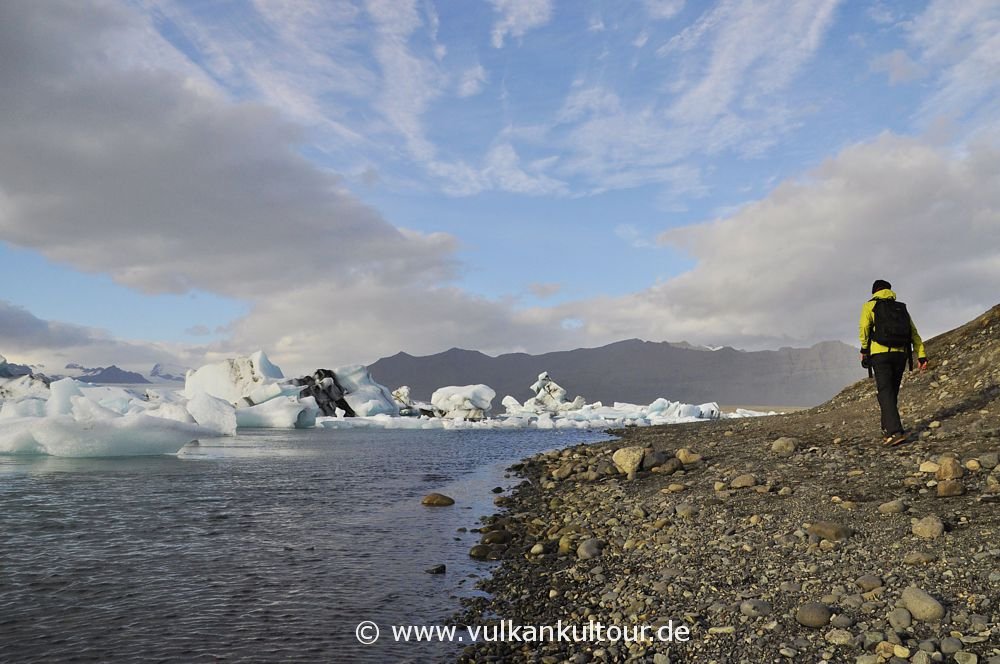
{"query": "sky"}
{"type": "Point", "coordinates": [336, 181]}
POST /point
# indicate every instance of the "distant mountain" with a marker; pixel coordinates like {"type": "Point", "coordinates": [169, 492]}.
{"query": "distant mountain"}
{"type": "Point", "coordinates": [10, 370]}
{"type": "Point", "coordinates": [638, 371]}
{"type": "Point", "coordinates": [110, 374]}
{"type": "Point", "coordinates": [168, 372]}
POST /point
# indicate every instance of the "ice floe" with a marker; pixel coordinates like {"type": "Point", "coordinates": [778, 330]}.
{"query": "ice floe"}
{"type": "Point", "coordinates": [68, 417]}
{"type": "Point", "coordinates": [468, 402]}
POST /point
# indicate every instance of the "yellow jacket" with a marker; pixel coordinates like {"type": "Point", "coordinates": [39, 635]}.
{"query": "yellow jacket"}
{"type": "Point", "coordinates": [868, 320]}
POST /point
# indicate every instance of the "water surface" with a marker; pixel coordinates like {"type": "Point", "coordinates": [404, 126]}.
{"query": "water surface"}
{"type": "Point", "coordinates": [268, 547]}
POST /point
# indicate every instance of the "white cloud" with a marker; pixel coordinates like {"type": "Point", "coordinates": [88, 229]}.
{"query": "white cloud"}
{"type": "Point", "coordinates": [289, 55]}
{"type": "Point", "coordinates": [409, 82]}
{"type": "Point", "coordinates": [962, 42]}
{"type": "Point", "coordinates": [724, 90]}
{"type": "Point", "coordinates": [544, 290]}
{"type": "Point", "coordinates": [881, 14]}
{"type": "Point", "coordinates": [28, 339]}
{"type": "Point", "coordinates": [517, 17]}
{"type": "Point", "coordinates": [661, 10]}
{"type": "Point", "coordinates": [757, 49]}
{"type": "Point", "coordinates": [503, 169]}
{"type": "Point", "coordinates": [631, 235]}
{"type": "Point", "coordinates": [373, 319]}
{"type": "Point", "coordinates": [899, 66]}
{"type": "Point", "coordinates": [471, 81]}
{"type": "Point", "coordinates": [796, 266]}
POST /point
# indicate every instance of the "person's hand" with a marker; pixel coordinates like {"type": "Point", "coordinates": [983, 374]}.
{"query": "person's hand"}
{"type": "Point", "coordinates": [922, 362]}
{"type": "Point", "coordinates": [865, 360]}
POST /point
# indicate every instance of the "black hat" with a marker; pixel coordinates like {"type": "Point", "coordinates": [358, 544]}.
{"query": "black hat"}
{"type": "Point", "coordinates": [880, 284]}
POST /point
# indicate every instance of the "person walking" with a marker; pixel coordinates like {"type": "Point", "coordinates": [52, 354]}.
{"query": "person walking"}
{"type": "Point", "coordinates": [888, 339]}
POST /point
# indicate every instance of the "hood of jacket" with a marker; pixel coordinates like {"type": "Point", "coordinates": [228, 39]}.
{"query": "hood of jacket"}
{"type": "Point", "coordinates": [884, 294]}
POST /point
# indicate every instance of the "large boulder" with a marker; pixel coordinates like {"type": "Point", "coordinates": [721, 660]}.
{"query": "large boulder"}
{"type": "Point", "coordinates": [628, 460]}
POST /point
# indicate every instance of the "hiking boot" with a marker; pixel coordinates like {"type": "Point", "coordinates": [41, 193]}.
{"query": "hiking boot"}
{"type": "Point", "coordinates": [895, 439]}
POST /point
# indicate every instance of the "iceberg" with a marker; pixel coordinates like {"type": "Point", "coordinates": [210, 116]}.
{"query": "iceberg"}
{"type": "Point", "coordinates": [469, 402]}
{"type": "Point", "coordinates": [328, 393]}
{"type": "Point", "coordinates": [281, 413]}
{"type": "Point", "coordinates": [135, 434]}
{"type": "Point", "coordinates": [363, 394]}
{"type": "Point", "coordinates": [68, 417]}
{"type": "Point", "coordinates": [211, 412]}
{"type": "Point", "coordinates": [409, 407]}
{"type": "Point", "coordinates": [233, 380]}
{"type": "Point", "coordinates": [549, 397]}
{"type": "Point", "coordinates": [74, 419]}
{"type": "Point", "coordinates": [24, 387]}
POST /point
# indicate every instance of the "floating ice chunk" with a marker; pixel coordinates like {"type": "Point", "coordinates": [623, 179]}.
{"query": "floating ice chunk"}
{"type": "Point", "coordinates": [173, 411]}
{"type": "Point", "coordinates": [232, 379]}
{"type": "Point", "coordinates": [549, 397]}
{"type": "Point", "coordinates": [135, 434]}
{"type": "Point", "coordinates": [402, 396]}
{"type": "Point", "coordinates": [16, 436]}
{"type": "Point", "coordinates": [212, 413]}
{"type": "Point", "coordinates": [24, 387]}
{"type": "Point", "coordinates": [279, 413]}
{"type": "Point", "coordinates": [29, 407]}
{"type": "Point", "coordinates": [268, 392]}
{"type": "Point", "coordinates": [85, 410]}
{"type": "Point", "coordinates": [61, 394]}
{"type": "Point", "coordinates": [512, 405]}
{"type": "Point", "coordinates": [468, 402]}
{"type": "Point", "coordinates": [363, 394]}
{"type": "Point", "coordinates": [265, 366]}
{"type": "Point", "coordinates": [709, 411]}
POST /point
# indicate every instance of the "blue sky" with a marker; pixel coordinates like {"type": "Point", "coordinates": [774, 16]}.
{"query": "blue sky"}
{"type": "Point", "coordinates": [336, 181]}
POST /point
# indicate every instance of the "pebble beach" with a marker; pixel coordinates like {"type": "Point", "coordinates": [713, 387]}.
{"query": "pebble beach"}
{"type": "Point", "coordinates": [794, 537]}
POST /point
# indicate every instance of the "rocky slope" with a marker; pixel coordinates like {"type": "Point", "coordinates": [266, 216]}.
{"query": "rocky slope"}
{"type": "Point", "coordinates": [787, 538]}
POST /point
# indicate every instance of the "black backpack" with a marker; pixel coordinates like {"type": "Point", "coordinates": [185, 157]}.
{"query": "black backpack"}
{"type": "Point", "coordinates": [892, 326]}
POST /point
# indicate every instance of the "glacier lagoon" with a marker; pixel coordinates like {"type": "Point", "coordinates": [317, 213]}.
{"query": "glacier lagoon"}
{"type": "Point", "coordinates": [272, 545]}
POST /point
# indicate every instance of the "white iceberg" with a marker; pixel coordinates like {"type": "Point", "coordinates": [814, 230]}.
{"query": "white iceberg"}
{"type": "Point", "coordinates": [549, 397]}
{"type": "Point", "coordinates": [235, 379]}
{"type": "Point", "coordinates": [70, 418]}
{"type": "Point", "coordinates": [365, 396]}
{"type": "Point", "coordinates": [468, 402]}
{"type": "Point", "coordinates": [23, 387]}
{"type": "Point", "coordinates": [211, 412]}
{"type": "Point", "coordinates": [134, 434]}
{"type": "Point", "coordinates": [280, 413]}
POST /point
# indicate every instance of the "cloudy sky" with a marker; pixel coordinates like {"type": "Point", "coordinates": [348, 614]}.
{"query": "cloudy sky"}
{"type": "Point", "coordinates": [338, 180]}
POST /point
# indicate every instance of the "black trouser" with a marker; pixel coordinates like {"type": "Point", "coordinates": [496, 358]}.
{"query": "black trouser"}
{"type": "Point", "coordinates": [889, 368]}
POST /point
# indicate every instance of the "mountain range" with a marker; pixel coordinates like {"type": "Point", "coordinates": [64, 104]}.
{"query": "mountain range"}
{"type": "Point", "coordinates": [637, 371]}
{"type": "Point", "coordinates": [112, 374]}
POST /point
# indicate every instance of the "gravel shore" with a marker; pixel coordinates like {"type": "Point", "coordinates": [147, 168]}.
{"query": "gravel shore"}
{"type": "Point", "coordinates": [792, 537]}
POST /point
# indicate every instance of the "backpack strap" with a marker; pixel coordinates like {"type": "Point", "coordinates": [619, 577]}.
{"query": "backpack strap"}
{"type": "Point", "coordinates": [871, 329]}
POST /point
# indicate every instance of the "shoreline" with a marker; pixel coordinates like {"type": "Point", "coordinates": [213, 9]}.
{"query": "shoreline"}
{"type": "Point", "coordinates": [827, 528]}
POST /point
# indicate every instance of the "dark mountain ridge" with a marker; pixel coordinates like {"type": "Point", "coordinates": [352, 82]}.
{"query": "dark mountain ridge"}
{"type": "Point", "coordinates": [639, 371]}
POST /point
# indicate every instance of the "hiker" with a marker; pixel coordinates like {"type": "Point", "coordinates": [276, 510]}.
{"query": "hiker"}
{"type": "Point", "coordinates": [888, 338]}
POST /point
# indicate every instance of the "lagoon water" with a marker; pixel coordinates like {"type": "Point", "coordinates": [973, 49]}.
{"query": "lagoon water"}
{"type": "Point", "coordinates": [268, 547]}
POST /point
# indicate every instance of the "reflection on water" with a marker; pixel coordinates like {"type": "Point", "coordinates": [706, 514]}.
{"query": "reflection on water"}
{"type": "Point", "coordinates": [270, 546]}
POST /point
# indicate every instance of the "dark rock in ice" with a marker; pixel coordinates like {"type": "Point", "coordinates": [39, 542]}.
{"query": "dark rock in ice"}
{"type": "Point", "coordinates": [322, 385]}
